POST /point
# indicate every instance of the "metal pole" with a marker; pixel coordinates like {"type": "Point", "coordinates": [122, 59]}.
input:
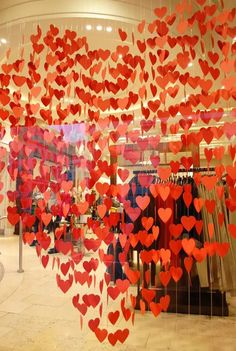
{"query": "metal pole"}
{"type": "Point", "coordinates": [20, 270]}
{"type": "Point", "coordinates": [18, 182]}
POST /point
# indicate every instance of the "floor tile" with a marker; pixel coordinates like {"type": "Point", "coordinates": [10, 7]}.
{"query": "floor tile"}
{"type": "Point", "coordinates": [4, 330]}
{"type": "Point", "coordinates": [36, 316]}
{"type": "Point", "coordinates": [13, 306]}
{"type": "Point", "coordinates": [36, 299]}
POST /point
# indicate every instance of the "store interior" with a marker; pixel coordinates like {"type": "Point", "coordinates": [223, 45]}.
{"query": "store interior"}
{"type": "Point", "coordinates": [117, 175]}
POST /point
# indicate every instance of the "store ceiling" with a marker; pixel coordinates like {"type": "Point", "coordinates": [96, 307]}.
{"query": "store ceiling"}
{"type": "Point", "coordinates": [19, 19]}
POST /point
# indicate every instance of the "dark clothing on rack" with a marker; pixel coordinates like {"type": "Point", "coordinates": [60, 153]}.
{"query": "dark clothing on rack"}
{"type": "Point", "coordinates": [181, 208]}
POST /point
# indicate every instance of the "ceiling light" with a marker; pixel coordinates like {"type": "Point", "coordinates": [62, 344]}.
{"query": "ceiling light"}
{"type": "Point", "coordinates": [190, 64]}
{"type": "Point", "coordinates": [88, 26]}
{"type": "Point", "coordinates": [3, 40]}
{"type": "Point", "coordinates": [109, 29]}
{"type": "Point", "coordinates": [69, 100]}
{"type": "Point", "coordinates": [99, 27]}
{"type": "Point", "coordinates": [120, 55]}
{"type": "Point", "coordinates": [234, 40]}
{"type": "Point", "coordinates": [185, 98]}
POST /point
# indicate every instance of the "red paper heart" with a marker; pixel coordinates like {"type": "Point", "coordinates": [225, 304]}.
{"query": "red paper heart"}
{"type": "Point", "coordinates": [101, 334]}
{"type": "Point", "coordinates": [164, 214]}
{"type": "Point", "coordinates": [143, 201]}
{"type": "Point", "coordinates": [188, 245]}
{"type": "Point", "coordinates": [165, 278]}
{"type": "Point", "coordinates": [176, 273]}
{"type": "Point", "coordinates": [155, 308]}
{"type": "Point", "coordinates": [64, 285]}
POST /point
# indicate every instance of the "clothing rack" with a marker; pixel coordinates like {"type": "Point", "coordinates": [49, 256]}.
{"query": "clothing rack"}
{"type": "Point", "coordinates": [148, 171]}
{"type": "Point", "coordinates": [189, 297]}
{"type": "Point", "coordinates": [182, 170]}
{"type": "Point", "coordinates": [197, 169]}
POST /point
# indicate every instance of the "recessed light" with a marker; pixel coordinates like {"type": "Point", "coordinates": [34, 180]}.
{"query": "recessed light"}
{"type": "Point", "coordinates": [88, 26]}
{"type": "Point", "coordinates": [190, 64]}
{"type": "Point", "coordinates": [99, 27]}
{"type": "Point", "coordinates": [3, 40]}
{"type": "Point", "coordinates": [185, 98]}
{"type": "Point", "coordinates": [109, 29]}
{"type": "Point", "coordinates": [69, 100]}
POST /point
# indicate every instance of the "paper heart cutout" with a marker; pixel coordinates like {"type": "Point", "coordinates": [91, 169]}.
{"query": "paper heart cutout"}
{"type": "Point", "coordinates": [188, 245]}
{"type": "Point", "coordinates": [143, 201]}
{"type": "Point", "coordinates": [176, 273]}
{"type": "Point", "coordinates": [114, 92]}
{"type": "Point", "coordinates": [165, 214]}
{"type": "Point", "coordinates": [165, 278]}
{"type": "Point", "coordinates": [188, 222]}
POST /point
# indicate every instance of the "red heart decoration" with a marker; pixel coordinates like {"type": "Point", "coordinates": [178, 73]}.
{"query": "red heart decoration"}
{"type": "Point", "coordinates": [176, 273]}
{"type": "Point", "coordinates": [188, 222]}
{"type": "Point", "coordinates": [83, 145]}
{"type": "Point", "coordinates": [164, 214]}
{"type": "Point", "coordinates": [143, 201]}
{"type": "Point", "coordinates": [188, 245]}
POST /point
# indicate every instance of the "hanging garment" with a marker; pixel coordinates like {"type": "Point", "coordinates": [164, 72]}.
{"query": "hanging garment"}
{"type": "Point", "coordinates": [168, 202]}
{"type": "Point", "coordinates": [221, 271]}
{"type": "Point", "coordinates": [115, 270]}
{"type": "Point", "coordinates": [137, 190]}
{"type": "Point", "coordinates": [185, 207]}
{"type": "Point", "coordinates": [230, 259]}
{"type": "Point", "coordinates": [188, 185]}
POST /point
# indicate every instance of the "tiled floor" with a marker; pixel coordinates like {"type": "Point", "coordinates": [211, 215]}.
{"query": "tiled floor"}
{"type": "Point", "coordinates": [36, 316]}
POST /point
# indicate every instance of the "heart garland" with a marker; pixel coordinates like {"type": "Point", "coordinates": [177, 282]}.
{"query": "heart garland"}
{"type": "Point", "coordinates": [77, 81]}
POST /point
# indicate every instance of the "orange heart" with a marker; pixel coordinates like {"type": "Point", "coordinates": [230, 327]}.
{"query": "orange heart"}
{"type": "Point", "coordinates": [154, 190]}
{"type": "Point", "coordinates": [147, 222]}
{"type": "Point", "coordinates": [133, 276]}
{"type": "Point", "coordinates": [165, 256]}
{"type": "Point", "coordinates": [165, 277]}
{"type": "Point", "coordinates": [164, 191]}
{"type": "Point", "coordinates": [176, 273]}
{"type": "Point", "coordinates": [188, 245]}
{"type": "Point", "coordinates": [155, 232]}
{"type": "Point", "coordinates": [155, 308]}
{"type": "Point", "coordinates": [231, 170]}
{"type": "Point", "coordinates": [175, 146]}
{"type": "Point", "coordinates": [160, 11]}
{"type": "Point", "coordinates": [123, 174]}
{"type": "Point", "coordinates": [164, 214]}
{"type": "Point", "coordinates": [164, 173]}
{"type": "Point", "coordinates": [164, 302]}
{"type": "Point", "coordinates": [175, 246]}
{"type": "Point", "coordinates": [101, 210]}
{"type": "Point", "coordinates": [175, 229]}
{"type": "Point", "coordinates": [122, 34]}
{"type": "Point", "coordinates": [46, 218]}
{"type": "Point", "coordinates": [143, 201]}
{"type": "Point", "coordinates": [187, 198]}
{"type": "Point", "coordinates": [199, 254]}
{"type": "Point", "coordinates": [232, 230]}
{"type": "Point", "coordinates": [188, 263]}
{"type": "Point", "coordinates": [133, 213]}
{"type": "Point", "coordinates": [198, 204]}
{"type": "Point", "coordinates": [210, 229]}
{"type": "Point", "coordinates": [188, 222]}
{"type": "Point", "coordinates": [141, 26]}
{"type": "Point", "coordinates": [83, 207]}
